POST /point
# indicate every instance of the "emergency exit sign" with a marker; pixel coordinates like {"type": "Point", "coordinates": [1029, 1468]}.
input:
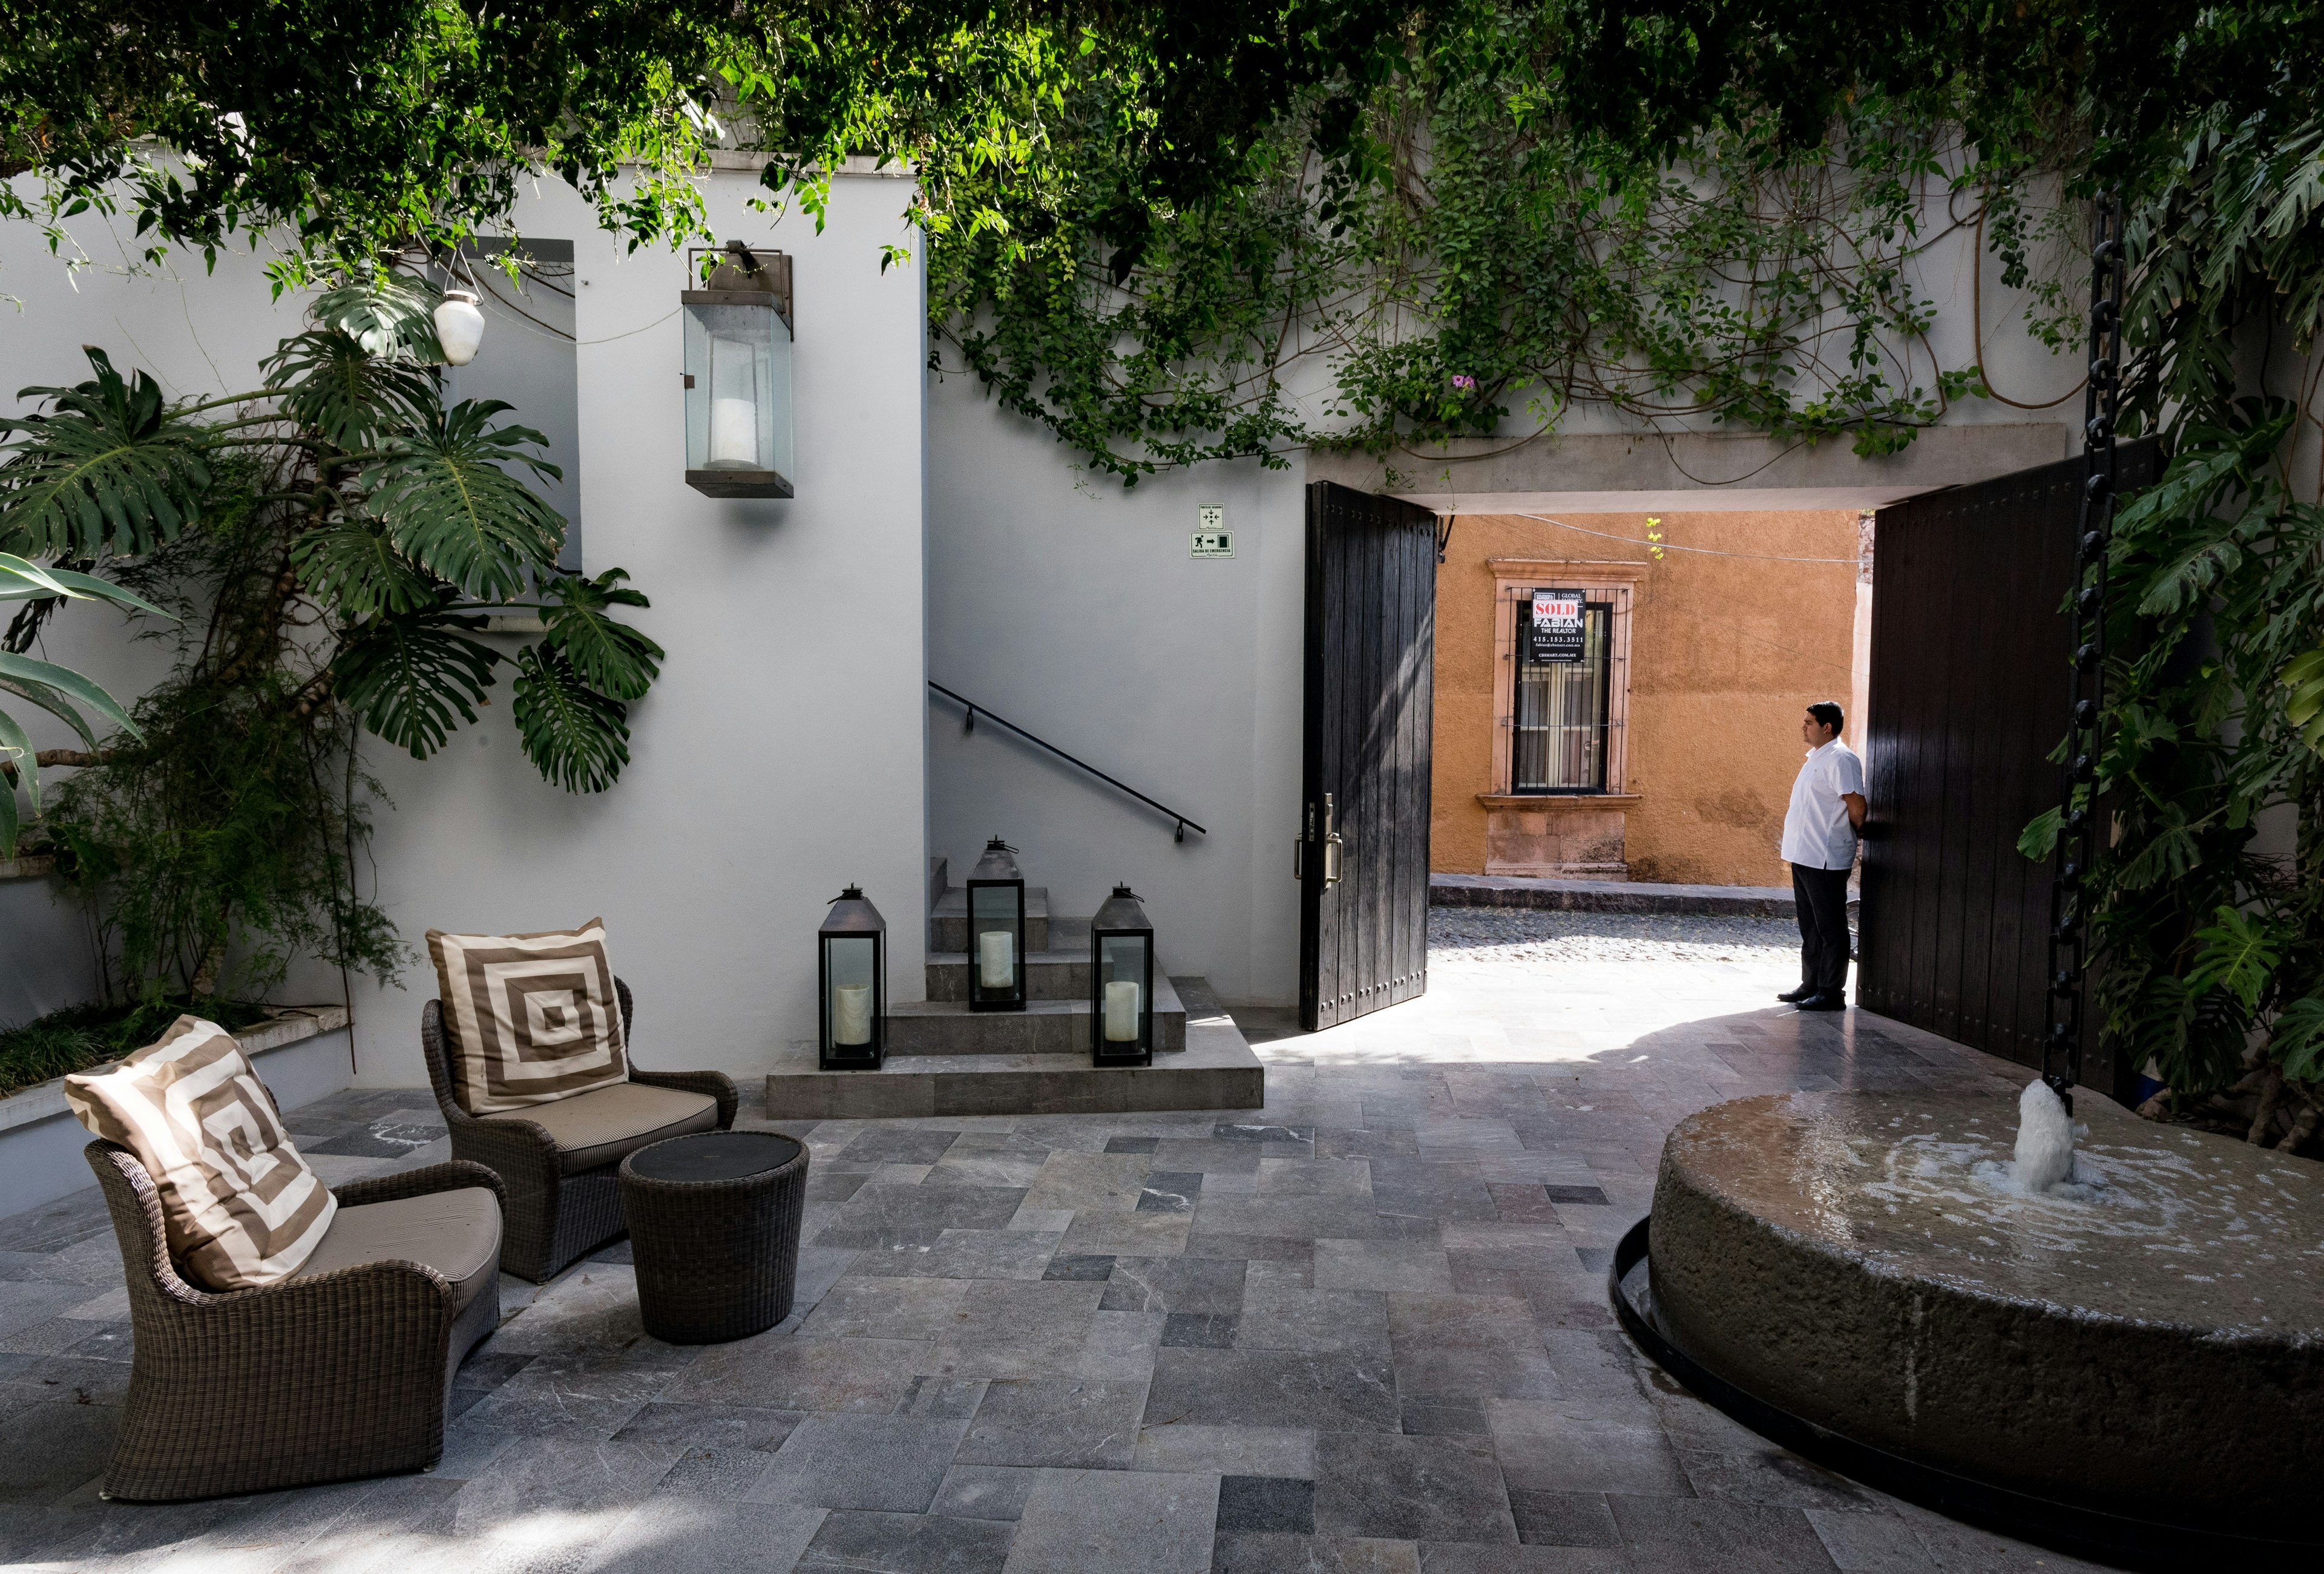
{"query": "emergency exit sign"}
{"type": "Point", "coordinates": [1214, 539]}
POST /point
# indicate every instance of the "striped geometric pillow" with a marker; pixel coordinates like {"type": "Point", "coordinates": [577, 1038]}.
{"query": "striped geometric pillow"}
{"type": "Point", "coordinates": [239, 1206]}
{"type": "Point", "coordinates": [534, 1017]}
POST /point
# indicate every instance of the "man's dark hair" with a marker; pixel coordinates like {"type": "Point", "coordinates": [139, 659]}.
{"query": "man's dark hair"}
{"type": "Point", "coordinates": [1828, 715]}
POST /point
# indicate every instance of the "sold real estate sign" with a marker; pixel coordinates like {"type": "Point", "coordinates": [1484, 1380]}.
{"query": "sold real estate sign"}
{"type": "Point", "coordinates": [1555, 630]}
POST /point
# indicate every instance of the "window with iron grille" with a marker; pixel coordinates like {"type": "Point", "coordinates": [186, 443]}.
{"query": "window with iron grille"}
{"type": "Point", "coordinates": [1561, 713]}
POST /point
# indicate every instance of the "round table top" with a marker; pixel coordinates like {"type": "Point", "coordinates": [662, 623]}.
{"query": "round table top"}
{"type": "Point", "coordinates": [713, 1155]}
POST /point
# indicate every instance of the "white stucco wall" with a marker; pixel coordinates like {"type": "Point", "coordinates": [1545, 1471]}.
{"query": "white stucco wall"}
{"type": "Point", "coordinates": [781, 755]}
{"type": "Point", "coordinates": [1074, 608]}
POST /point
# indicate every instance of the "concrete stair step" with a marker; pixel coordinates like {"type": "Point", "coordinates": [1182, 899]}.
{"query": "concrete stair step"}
{"type": "Point", "coordinates": [948, 922]}
{"type": "Point", "coordinates": [1215, 1071]}
{"type": "Point", "coordinates": [1045, 1026]}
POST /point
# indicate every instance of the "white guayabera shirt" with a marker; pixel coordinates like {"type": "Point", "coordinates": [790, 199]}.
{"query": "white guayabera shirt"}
{"type": "Point", "coordinates": [1816, 831]}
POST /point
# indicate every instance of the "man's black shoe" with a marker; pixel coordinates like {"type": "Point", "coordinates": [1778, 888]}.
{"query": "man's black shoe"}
{"type": "Point", "coordinates": [1794, 997]}
{"type": "Point", "coordinates": [1824, 1003]}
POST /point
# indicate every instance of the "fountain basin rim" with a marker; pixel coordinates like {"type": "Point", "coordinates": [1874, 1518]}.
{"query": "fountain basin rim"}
{"type": "Point", "coordinates": [1808, 1243]}
{"type": "Point", "coordinates": [2059, 1525]}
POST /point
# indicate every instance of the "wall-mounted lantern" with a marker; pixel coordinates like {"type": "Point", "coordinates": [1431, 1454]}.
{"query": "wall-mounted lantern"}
{"type": "Point", "coordinates": [996, 931]}
{"type": "Point", "coordinates": [1121, 983]}
{"type": "Point", "coordinates": [738, 374]}
{"type": "Point", "coordinates": [852, 982]}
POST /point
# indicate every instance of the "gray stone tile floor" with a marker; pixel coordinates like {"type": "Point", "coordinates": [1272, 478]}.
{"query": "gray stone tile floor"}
{"type": "Point", "coordinates": [1363, 1329]}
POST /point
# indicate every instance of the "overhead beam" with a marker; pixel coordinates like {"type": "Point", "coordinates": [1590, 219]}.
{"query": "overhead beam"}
{"type": "Point", "coordinates": [1624, 472]}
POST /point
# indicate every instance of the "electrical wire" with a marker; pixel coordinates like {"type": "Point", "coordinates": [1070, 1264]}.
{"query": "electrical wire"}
{"type": "Point", "coordinates": [1673, 546]}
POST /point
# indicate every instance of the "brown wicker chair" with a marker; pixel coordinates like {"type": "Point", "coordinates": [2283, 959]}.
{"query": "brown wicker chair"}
{"type": "Point", "coordinates": [342, 1374]}
{"type": "Point", "coordinates": [554, 1215]}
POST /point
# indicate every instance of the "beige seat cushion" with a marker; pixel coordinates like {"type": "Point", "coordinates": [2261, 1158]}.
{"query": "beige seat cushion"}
{"type": "Point", "coordinates": [606, 1125]}
{"type": "Point", "coordinates": [240, 1207]}
{"type": "Point", "coordinates": [456, 1233]}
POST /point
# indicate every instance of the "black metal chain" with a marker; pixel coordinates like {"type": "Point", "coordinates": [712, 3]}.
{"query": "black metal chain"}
{"type": "Point", "coordinates": [2078, 830]}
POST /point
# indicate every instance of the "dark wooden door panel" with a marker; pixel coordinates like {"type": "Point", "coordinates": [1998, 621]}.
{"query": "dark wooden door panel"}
{"type": "Point", "coordinates": [1967, 698]}
{"type": "Point", "coordinates": [1370, 658]}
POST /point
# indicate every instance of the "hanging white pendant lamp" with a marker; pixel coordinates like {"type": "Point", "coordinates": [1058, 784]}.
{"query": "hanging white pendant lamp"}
{"type": "Point", "coordinates": [460, 325]}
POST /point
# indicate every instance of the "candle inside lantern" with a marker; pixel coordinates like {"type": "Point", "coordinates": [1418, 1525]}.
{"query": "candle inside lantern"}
{"type": "Point", "coordinates": [996, 954]}
{"type": "Point", "coordinates": [734, 416]}
{"type": "Point", "coordinates": [1121, 1013]}
{"type": "Point", "coordinates": [851, 1015]}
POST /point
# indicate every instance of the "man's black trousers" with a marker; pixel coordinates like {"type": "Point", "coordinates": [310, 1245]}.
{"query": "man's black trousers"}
{"type": "Point", "coordinates": [1821, 894]}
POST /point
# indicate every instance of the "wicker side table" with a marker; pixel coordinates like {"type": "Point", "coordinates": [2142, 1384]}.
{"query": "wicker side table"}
{"type": "Point", "coordinates": [715, 1231]}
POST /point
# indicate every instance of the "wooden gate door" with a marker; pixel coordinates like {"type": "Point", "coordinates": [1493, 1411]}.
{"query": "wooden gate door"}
{"type": "Point", "coordinates": [1363, 854]}
{"type": "Point", "coordinates": [1967, 701]}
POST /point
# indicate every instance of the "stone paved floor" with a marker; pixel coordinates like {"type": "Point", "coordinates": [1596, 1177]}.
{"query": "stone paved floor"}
{"type": "Point", "coordinates": [1361, 1330]}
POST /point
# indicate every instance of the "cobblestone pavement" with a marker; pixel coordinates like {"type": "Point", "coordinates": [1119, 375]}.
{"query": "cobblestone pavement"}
{"type": "Point", "coordinates": [1364, 1330]}
{"type": "Point", "coordinates": [1459, 935]}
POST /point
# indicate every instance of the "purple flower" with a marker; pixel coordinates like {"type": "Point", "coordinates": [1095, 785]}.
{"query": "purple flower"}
{"type": "Point", "coordinates": [1463, 380]}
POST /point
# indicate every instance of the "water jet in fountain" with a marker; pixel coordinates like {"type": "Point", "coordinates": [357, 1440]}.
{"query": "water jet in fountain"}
{"type": "Point", "coordinates": [2045, 1139]}
{"type": "Point", "coordinates": [2139, 1342]}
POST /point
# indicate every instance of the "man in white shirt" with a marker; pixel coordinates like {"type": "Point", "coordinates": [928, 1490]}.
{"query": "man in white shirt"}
{"type": "Point", "coordinates": [1819, 829]}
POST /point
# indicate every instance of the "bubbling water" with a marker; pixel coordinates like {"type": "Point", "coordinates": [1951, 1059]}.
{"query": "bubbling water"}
{"type": "Point", "coordinates": [2046, 1140]}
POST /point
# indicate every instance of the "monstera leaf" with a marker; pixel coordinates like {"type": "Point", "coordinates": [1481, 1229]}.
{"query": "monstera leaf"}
{"type": "Point", "coordinates": [108, 469]}
{"type": "Point", "coordinates": [352, 563]}
{"type": "Point", "coordinates": [608, 655]}
{"type": "Point", "coordinates": [2303, 675]}
{"type": "Point", "coordinates": [450, 508]}
{"type": "Point", "coordinates": [407, 675]}
{"type": "Point", "coordinates": [575, 736]}
{"type": "Point", "coordinates": [345, 394]}
{"type": "Point", "coordinates": [390, 314]}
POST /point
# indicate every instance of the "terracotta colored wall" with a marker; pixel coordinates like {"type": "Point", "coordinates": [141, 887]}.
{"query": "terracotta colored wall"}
{"type": "Point", "coordinates": [1725, 653]}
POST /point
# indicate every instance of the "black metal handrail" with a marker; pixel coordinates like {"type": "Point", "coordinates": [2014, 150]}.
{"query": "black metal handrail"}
{"type": "Point", "coordinates": [1183, 824]}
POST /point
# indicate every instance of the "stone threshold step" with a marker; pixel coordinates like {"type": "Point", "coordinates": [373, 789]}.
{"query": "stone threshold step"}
{"type": "Point", "coordinates": [1219, 1071]}
{"type": "Point", "coordinates": [1061, 1026]}
{"type": "Point", "coordinates": [948, 922]}
{"type": "Point", "coordinates": [1571, 896]}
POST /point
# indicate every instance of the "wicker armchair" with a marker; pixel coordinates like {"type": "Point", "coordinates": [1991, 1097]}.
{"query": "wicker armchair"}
{"type": "Point", "coordinates": [310, 1380]}
{"type": "Point", "coordinates": [553, 1216]}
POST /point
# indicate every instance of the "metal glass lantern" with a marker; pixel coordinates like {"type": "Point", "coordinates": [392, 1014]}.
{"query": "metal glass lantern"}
{"type": "Point", "coordinates": [996, 931]}
{"type": "Point", "coordinates": [852, 984]}
{"type": "Point", "coordinates": [1121, 983]}
{"type": "Point", "coordinates": [738, 376]}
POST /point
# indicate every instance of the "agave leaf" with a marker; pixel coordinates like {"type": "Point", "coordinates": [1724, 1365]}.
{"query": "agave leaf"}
{"type": "Point", "coordinates": [451, 508]}
{"type": "Point", "coordinates": [107, 469]}
{"type": "Point", "coordinates": [16, 746]}
{"type": "Point", "coordinates": [575, 736]}
{"type": "Point", "coordinates": [74, 688]}
{"type": "Point", "coordinates": [610, 656]}
{"type": "Point", "coordinates": [90, 584]}
{"type": "Point", "coordinates": [408, 675]}
{"type": "Point", "coordinates": [354, 564]}
{"type": "Point", "coordinates": [55, 703]}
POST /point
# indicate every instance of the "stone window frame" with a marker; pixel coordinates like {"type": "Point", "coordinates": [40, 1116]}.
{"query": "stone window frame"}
{"type": "Point", "coordinates": [1514, 580]}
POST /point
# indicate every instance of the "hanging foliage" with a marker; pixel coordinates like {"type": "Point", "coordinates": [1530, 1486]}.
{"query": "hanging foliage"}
{"type": "Point", "coordinates": [330, 544]}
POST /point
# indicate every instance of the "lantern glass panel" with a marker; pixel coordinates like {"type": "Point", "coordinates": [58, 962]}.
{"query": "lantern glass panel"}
{"type": "Point", "coordinates": [1122, 973]}
{"type": "Point", "coordinates": [738, 397]}
{"type": "Point", "coordinates": [851, 1004]}
{"type": "Point", "coordinates": [995, 941]}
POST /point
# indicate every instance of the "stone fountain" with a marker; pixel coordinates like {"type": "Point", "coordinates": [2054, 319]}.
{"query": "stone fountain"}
{"type": "Point", "coordinates": [2129, 1363]}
